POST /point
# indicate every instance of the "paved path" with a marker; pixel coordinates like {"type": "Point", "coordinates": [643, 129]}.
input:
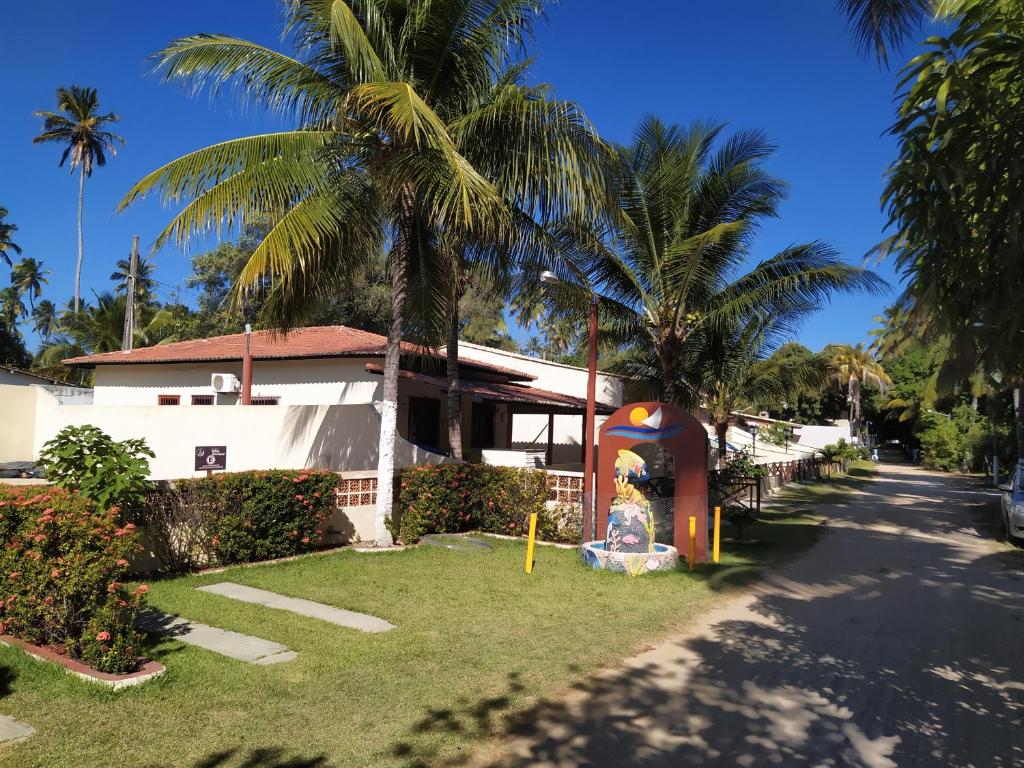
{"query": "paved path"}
{"type": "Point", "coordinates": [313, 610]}
{"type": "Point", "coordinates": [11, 729]}
{"type": "Point", "coordinates": [235, 645]}
{"type": "Point", "coordinates": [897, 640]}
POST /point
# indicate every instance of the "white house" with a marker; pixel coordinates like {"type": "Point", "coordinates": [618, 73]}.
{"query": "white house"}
{"type": "Point", "coordinates": [317, 389]}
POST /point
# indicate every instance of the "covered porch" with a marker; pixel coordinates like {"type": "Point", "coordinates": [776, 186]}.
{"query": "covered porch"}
{"type": "Point", "coordinates": [504, 420]}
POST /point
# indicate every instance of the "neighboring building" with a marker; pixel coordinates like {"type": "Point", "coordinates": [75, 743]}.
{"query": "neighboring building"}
{"type": "Point", "coordinates": [20, 377]}
{"type": "Point", "coordinates": [322, 385]}
{"type": "Point", "coordinates": [20, 390]}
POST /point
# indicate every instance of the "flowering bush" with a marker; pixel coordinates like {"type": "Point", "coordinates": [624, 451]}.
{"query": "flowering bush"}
{"type": "Point", "coordinates": [450, 498]}
{"type": "Point", "coordinates": [240, 517]}
{"type": "Point", "coordinates": [61, 574]}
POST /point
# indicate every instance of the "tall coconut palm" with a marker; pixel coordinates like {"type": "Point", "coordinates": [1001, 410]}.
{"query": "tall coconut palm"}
{"type": "Point", "coordinates": [44, 318]}
{"type": "Point", "coordinates": [7, 246]}
{"type": "Point", "coordinates": [145, 283]}
{"type": "Point", "coordinates": [852, 367]}
{"type": "Point", "coordinates": [388, 102]}
{"type": "Point", "coordinates": [29, 277]}
{"type": "Point", "coordinates": [79, 125]}
{"type": "Point", "coordinates": [12, 308]}
{"type": "Point", "coordinates": [672, 265]}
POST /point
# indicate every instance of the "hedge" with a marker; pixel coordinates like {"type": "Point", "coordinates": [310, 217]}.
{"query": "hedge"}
{"type": "Point", "coordinates": [239, 517]}
{"type": "Point", "coordinates": [452, 498]}
{"type": "Point", "coordinates": [61, 574]}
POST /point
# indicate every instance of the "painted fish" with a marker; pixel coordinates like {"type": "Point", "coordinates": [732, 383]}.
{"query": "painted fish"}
{"type": "Point", "coordinates": [631, 466]}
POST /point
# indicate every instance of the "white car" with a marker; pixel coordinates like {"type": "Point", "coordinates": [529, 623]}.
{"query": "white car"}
{"type": "Point", "coordinates": [1013, 504]}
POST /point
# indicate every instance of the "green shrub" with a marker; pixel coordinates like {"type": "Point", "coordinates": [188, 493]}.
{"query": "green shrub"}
{"type": "Point", "coordinates": [451, 498]}
{"type": "Point", "coordinates": [942, 443]}
{"type": "Point", "coordinates": [240, 517]}
{"type": "Point", "coordinates": [842, 451]}
{"type": "Point", "coordinates": [88, 460]}
{"type": "Point", "coordinates": [62, 569]}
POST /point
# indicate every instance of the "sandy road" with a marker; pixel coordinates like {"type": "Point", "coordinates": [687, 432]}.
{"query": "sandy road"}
{"type": "Point", "coordinates": [897, 640]}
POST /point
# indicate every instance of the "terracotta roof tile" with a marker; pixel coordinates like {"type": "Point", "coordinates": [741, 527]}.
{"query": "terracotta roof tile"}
{"type": "Point", "coordinates": [503, 392]}
{"type": "Point", "coordinates": [310, 343]}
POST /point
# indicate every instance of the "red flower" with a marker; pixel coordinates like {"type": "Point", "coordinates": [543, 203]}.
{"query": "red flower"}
{"type": "Point", "coordinates": [112, 587]}
{"type": "Point", "coordinates": [305, 539]}
{"type": "Point", "coordinates": [14, 574]}
{"type": "Point", "coordinates": [141, 590]}
{"type": "Point", "coordinates": [103, 636]}
{"type": "Point", "coordinates": [121, 562]}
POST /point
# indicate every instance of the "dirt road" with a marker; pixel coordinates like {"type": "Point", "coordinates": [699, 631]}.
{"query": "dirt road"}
{"type": "Point", "coordinates": [898, 640]}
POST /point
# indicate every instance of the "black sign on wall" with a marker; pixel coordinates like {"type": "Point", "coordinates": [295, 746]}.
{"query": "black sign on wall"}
{"type": "Point", "coordinates": [210, 457]}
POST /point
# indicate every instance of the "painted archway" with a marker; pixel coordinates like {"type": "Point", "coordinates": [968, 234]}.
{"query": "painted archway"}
{"type": "Point", "coordinates": [682, 436]}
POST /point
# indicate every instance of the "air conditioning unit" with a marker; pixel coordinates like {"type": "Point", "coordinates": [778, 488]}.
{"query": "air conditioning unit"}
{"type": "Point", "coordinates": [225, 382]}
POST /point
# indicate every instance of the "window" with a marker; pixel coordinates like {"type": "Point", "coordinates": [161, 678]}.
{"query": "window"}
{"type": "Point", "coordinates": [263, 400]}
{"type": "Point", "coordinates": [482, 433]}
{"type": "Point", "coordinates": [425, 422]}
{"type": "Point", "coordinates": [202, 399]}
{"type": "Point", "coordinates": [168, 400]}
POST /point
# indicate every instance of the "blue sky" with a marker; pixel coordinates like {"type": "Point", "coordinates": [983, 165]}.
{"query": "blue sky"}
{"type": "Point", "coordinates": [788, 68]}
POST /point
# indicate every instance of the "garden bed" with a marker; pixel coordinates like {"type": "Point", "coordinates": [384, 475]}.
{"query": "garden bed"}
{"type": "Point", "coordinates": [147, 669]}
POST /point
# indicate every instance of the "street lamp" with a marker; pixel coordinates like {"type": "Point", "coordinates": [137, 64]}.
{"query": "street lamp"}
{"type": "Point", "coordinates": [787, 435]}
{"type": "Point", "coordinates": [753, 433]}
{"type": "Point", "coordinates": [588, 450]}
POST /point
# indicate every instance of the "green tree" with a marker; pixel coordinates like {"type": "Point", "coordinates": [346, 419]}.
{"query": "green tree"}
{"type": "Point", "coordinates": [853, 366]}
{"type": "Point", "coordinates": [403, 134]}
{"type": "Point", "coordinates": [954, 194]}
{"type": "Point", "coordinates": [12, 308]}
{"type": "Point", "coordinates": [79, 125]}
{"type": "Point", "coordinates": [12, 348]}
{"type": "Point", "coordinates": [7, 246]}
{"type": "Point", "coordinates": [672, 266]}
{"type": "Point", "coordinates": [145, 283]}
{"type": "Point", "coordinates": [44, 318]}
{"type": "Point", "coordinates": [29, 277]}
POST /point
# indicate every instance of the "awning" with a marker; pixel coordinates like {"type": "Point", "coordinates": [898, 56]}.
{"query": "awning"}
{"type": "Point", "coordinates": [523, 399]}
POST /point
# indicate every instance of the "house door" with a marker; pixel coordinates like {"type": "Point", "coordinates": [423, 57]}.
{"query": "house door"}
{"type": "Point", "coordinates": [483, 436]}
{"type": "Point", "coordinates": [425, 422]}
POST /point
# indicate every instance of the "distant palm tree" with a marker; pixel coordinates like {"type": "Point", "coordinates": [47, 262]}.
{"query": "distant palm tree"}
{"type": "Point", "coordinates": [44, 319]}
{"type": "Point", "coordinates": [880, 25]}
{"type": "Point", "coordinates": [7, 246]}
{"type": "Point", "coordinates": [29, 277]}
{"type": "Point", "coordinates": [12, 308]}
{"type": "Point", "coordinates": [145, 284]}
{"type": "Point", "coordinates": [79, 125]}
{"type": "Point", "coordinates": [851, 367]}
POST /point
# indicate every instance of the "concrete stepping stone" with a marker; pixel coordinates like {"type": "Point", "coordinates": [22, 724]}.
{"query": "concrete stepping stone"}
{"type": "Point", "coordinates": [235, 645]}
{"type": "Point", "coordinates": [11, 729]}
{"type": "Point", "coordinates": [339, 616]}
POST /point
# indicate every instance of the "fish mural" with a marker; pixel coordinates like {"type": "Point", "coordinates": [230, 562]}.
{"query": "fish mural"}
{"type": "Point", "coordinates": [630, 519]}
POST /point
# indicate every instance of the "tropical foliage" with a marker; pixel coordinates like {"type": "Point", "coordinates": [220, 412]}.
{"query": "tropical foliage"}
{"type": "Point", "coordinates": [81, 128]}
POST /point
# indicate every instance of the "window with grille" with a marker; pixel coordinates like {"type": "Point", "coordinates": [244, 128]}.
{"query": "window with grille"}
{"type": "Point", "coordinates": [202, 399]}
{"type": "Point", "coordinates": [168, 400]}
{"type": "Point", "coordinates": [264, 400]}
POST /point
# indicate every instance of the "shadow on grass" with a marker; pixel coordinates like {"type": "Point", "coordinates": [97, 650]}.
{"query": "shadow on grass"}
{"type": "Point", "coordinates": [265, 757]}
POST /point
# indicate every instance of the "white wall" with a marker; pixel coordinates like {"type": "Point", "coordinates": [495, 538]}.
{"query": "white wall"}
{"type": "Point", "coordinates": [17, 421]}
{"type": "Point", "coordinates": [340, 381]}
{"type": "Point", "coordinates": [338, 437]}
{"type": "Point", "coordinates": [812, 436]}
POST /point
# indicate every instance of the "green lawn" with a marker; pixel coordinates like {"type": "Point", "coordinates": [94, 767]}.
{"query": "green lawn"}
{"type": "Point", "coordinates": [475, 639]}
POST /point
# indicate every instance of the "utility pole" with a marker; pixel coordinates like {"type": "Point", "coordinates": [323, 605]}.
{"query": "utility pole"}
{"type": "Point", "coordinates": [129, 305]}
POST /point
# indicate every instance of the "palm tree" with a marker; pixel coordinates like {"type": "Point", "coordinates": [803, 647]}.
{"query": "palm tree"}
{"type": "Point", "coordinates": [145, 283]}
{"type": "Point", "coordinates": [852, 367]}
{"type": "Point", "coordinates": [29, 277]}
{"type": "Point", "coordinates": [404, 135]}
{"type": "Point", "coordinates": [671, 266]}
{"type": "Point", "coordinates": [7, 246]}
{"type": "Point", "coordinates": [79, 125]}
{"type": "Point", "coordinates": [879, 25]}
{"type": "Point", "coordinates": [44, 318]}
{"type": "Point", "coordinates": [12, 308]}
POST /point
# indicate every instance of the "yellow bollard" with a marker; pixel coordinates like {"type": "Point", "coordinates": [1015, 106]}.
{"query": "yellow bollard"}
{"type": "Point", "coordinates": [693, 542]}
{"type": "Point", "coordinates": [529, 543]}
{"type": "Point", "coordinates": [718, 532]}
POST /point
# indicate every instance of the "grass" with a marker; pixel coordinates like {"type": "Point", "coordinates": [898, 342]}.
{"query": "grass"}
{"type": "Point", "coordinates": [476, 639]}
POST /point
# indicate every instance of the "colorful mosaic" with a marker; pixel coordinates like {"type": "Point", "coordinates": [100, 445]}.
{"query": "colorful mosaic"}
{"type": "Point", "coordinates": [663, 558]}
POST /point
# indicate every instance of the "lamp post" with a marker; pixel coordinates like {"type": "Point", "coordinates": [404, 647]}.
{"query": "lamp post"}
{"type": "Point", "coordinates": [787, 435]}
{"type": "Point", "coordinates": [588, 449]}
{"type": "Point", "coordinates": [753, 433]}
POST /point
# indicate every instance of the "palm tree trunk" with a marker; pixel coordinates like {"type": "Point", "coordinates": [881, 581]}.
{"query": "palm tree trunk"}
{"type": "Point", "coordinates": [392, 360]}
{"type": "Point", "coordinates": [722, 431]}
{"type": "Point", "coordinates": [81, 238]}
{"type": "Point", "coordinates": [454, 396]}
